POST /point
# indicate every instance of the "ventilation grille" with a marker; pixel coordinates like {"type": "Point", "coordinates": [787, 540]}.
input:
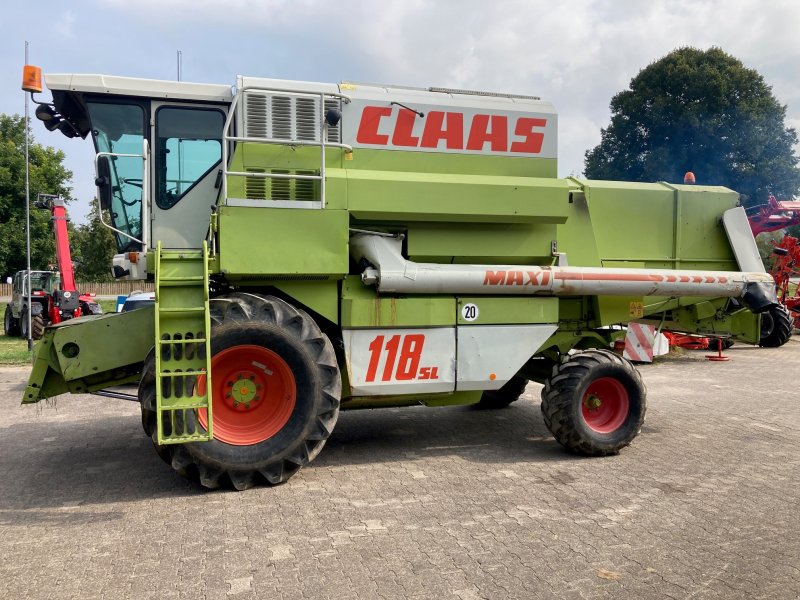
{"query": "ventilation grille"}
{"type": "Point", "coordinates": [266, 188]}
{"type": "Point", "coordinates": [286, 117]}
{"type": "Point", "coordinates": [255, 188]}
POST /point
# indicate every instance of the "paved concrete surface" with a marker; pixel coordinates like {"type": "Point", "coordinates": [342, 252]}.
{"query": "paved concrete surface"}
{"type": "Point", "coordinates": [423, 503]}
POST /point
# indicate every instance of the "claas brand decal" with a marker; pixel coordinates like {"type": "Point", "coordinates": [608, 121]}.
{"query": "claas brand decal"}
{"type": "Point", "coordinates": [431, 129]}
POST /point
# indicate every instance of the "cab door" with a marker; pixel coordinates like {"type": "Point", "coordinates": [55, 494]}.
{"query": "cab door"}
{"type": "Point", "coordinates": [186, 154]}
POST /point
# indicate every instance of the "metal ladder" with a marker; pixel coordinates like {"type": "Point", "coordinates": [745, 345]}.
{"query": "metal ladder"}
{"type": "Point", "coordinates": [183, 350]}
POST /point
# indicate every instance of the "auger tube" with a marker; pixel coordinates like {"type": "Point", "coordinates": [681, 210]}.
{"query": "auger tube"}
{"type": "Point", "coordinates": [394, 274]}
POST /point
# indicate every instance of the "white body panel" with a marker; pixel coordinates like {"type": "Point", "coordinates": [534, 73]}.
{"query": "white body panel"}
{"type": "Point", "coordinates": [490, 355]}
{"type": "Point", "coordinates": [426, 366]}
{"type": "Point", "coordinates": [131, 86]}
{"type": "Point", "coordinates": [520, 126]}
{"type": "Point", "coordinates": [740, 235]}
{"type": "Point", "coordinates": [383, 362]}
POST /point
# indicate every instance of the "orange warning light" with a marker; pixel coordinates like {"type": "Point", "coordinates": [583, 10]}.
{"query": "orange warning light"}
{"type": "Point", "coordinates": [492, 376]}
{"type": "Point", "coordinates": [688, 178]}
{"type": "Point", "coordinates": [32, 79]}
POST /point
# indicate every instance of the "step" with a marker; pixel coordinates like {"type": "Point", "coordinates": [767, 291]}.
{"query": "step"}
{"type": "Point", "coordinates": [189, 341]}
{"type": "Point", "coordinates": [187, 310]}
{"type": "Point", "coordinates": [182, 309]}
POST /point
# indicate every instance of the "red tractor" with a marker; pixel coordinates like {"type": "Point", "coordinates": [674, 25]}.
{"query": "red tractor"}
{"type": "Point", "coordinates": [50, 297]}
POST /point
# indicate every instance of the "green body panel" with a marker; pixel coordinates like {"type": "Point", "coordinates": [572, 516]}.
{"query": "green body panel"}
{"type": "Point", "coordinates": [461, 164]}
{"type": "Point", "coordinates": [659, 225]}
{"type": "Point", "coordinates": [509, 310]}
{"type": "Point", "coordinates": [111, 350]}
{"type": "Point", "coordinates": [406, 197]}
{"type": "Point", "coordinates": [295, 242]}
{"type": "Point", "coordinates": [361, 307]}
{"type": "Point", "coordinates": [454, 399]}
{"type": "Point", "coordinates": [322, 297]}
{"type": "Point", "coordinates": [481, 243]}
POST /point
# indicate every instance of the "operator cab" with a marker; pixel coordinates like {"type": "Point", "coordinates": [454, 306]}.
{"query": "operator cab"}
{"type": "Point", "coordinates": [158, 156]}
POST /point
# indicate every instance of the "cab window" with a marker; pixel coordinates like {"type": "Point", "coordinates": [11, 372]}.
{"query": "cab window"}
{"type": "Point", "coordinates": [188, 147]}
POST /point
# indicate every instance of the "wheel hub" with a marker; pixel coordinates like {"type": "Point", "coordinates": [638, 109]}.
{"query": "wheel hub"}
{"type": "Point", "coordinates": [254, 394]}
{"type": "Point", "coordinates": [243, 392]}
{"type": "Point", "coordinates": [605, 405]}
{"type": "Point", "coordinates": [593, 402]}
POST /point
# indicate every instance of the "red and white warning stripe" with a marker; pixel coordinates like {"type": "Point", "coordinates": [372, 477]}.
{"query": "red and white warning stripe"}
{"type": "Point", "coordinates": [642, 343]}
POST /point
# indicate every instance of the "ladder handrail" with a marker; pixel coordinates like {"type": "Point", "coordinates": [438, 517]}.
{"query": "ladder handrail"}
{"type": "Point", "coordinates": [321, 129]}
{"type": "Point", "coordinates": [144, 201]}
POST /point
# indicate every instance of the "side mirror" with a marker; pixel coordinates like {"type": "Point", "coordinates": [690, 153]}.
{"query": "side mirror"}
{"type": "Point", "coordinates": [103, 182]}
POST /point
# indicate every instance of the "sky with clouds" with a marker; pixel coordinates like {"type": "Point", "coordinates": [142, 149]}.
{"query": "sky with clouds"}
{"type": "Point", "coordinates": [574, 53]}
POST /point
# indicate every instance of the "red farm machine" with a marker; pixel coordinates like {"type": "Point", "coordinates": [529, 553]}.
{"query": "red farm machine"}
{"type": "Point", "coordinates": [774, 216]}
{"type": "Point", "coordinates": [44, 298]}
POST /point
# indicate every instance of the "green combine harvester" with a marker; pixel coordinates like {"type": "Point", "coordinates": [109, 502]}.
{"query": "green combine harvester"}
{"type": "Point", "coordinates": [319, 247]}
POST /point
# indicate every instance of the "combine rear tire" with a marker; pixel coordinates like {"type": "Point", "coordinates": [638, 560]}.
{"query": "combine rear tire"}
{"type": "Point", "coordinates": [10, 324]}
{"type": "Point", "coordinates": [776, 327]}
{"type": "Point", "coordinates": [284, 370]}
{"type": "Point", "coordinates": [594, 403]}
{"type": "Point", "coordinates": [510, 392]}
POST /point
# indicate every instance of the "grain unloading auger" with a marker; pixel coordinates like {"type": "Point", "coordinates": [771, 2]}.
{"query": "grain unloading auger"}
{"type": "Point", "coordinates": [319, 247]}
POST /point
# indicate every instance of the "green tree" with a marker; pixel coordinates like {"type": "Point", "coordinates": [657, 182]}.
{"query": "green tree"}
{"type": "Point", "coordinates": [701, 111]}
{"type": "Point", "coordinates": [48, 176]}
{"type": "Point", "coordinates": [93, 248]}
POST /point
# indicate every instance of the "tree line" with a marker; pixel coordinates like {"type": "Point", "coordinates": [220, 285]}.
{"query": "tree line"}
{"type": "Point", "coordinates": [91, 244]}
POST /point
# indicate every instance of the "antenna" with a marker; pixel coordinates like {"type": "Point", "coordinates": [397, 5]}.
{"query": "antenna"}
{"type": "Point", "coordinates": [180, 58]}
{"type": "Point", "coordinates": [28, 213]}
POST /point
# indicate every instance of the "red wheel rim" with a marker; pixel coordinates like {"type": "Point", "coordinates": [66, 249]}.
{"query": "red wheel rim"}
{"type": "Point", "coordinates": [253, 396]}
{"type": "Point", "coordinates": [605, 405]}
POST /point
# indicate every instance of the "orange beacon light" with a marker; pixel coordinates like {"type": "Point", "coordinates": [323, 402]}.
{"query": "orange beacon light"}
{"type": "Point", "coordinates": [32, 79]}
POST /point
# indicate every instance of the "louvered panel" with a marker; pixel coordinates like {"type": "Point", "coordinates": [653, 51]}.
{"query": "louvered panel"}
{"type": "Point", "coordinates": [334, 133]}
{"type": "Point", "coordinates": [304, 189]}
{"type": "Point", "coordinates": [255, 188]}
{"type": "Point", "coordinates": [256, 119]}
{"type": "Point", "coordinates": [281, 117]}
{"type": "Point", "coordinates": [306, 118]}
{"type": "Point", "coordinates": [281, 188]}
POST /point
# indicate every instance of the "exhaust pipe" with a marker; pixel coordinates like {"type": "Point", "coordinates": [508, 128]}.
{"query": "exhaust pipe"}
{"type": "Point", "coordinates": [394, 274]}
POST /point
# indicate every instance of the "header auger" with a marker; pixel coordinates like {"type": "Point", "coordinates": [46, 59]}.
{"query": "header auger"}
{"type": "Point", "coordinates": [320, 247]}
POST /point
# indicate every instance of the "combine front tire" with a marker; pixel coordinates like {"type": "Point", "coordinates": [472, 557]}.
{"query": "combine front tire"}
{"type": "Point", "coordinates": [594, 403]}
{"type": "Point", "coordinates": [776, 327]}
{"type": "Point", "coordinates": [10, 324]}
{"type": "Point", "coordinates": [510, 392]}
{"type": "Point", "coordinates": [275, 391]}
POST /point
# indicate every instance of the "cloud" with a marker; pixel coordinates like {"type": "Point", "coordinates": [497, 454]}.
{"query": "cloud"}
{"type": "Point", "coordinates": [64, 26]}
{"type": "Point", "coordinates": [577, 54]}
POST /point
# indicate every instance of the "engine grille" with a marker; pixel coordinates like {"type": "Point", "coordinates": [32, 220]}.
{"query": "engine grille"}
{"type": "Point", "coordinates": [285, 117]}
